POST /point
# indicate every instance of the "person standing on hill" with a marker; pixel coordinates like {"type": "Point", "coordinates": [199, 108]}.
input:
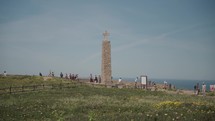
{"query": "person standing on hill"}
{"type": "Point", "coordinates": [5, 73]}
{"type": "Point", "coordinates": [195, 89]}
{"type": "Point", "coordinates": [120, 79]}
{"type": "Point", "coordinates": [66, 76]}
{"type": "Point", "coordinates": [40, 74]}
{"type": "Point", "coordinates": [61, 75]}
{"type": "Point", "coordinates": [73, 77]}
{"type": "Point", "coordinates": [96, 79]}
{"type": "Point", "coordinates": [70, 76]}
{"type": "Point", "coordinates": [136, 82]}
{"type": "Point", "coordinates": [76, 77]}
{"type": "Point", "coordinates": [91, 78]}
{"type": "Point", "coordinates": [203, 89]}
{"type": "Point", "coordinates": [155, 86]}
{"type": "Point", "coordinates": [100, 79]}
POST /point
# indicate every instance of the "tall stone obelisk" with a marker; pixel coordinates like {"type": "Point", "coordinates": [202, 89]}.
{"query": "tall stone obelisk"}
{"type": "Point", "coordinates": [106, 60]}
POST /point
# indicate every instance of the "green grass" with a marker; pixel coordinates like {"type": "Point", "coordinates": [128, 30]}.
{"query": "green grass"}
{"type": "Point", "coordinates": [20, 80]}
{"type": "Point", "coordinates": [83, 102]}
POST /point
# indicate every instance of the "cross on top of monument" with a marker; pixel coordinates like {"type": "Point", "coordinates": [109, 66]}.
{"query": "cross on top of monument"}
{"type": "Point", "coordinates": [106, 34]}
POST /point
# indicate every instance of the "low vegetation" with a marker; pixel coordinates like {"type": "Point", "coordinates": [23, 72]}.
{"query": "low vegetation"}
{"type": "Point", "coordinates": [85, 102]}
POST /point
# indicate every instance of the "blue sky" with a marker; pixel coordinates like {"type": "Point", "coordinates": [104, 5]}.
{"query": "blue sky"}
{"type": "Point", "coordinates": [172, 39]}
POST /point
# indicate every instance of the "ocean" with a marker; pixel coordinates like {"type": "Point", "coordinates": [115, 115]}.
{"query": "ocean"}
{"type": "Point", "coordinates": [186, 84]}
{"type": "Point", "coordinates": [179, 84]}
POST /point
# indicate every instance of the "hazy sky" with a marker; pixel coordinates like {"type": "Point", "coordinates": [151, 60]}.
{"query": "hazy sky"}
{"type": "Point", "coordinates": [172, 39]}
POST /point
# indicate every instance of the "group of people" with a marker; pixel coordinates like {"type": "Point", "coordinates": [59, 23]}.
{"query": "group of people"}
{"type": "Point", "coordinates": [51, 74]}
{"type": "Point", "coordinates": [168, 86]}
{"type": "Point", "coordinates": [197, 89]}
{"type": "Point", "coordinates": [70, 76]}
{"type": "Point", "coordinates": [95, 79]}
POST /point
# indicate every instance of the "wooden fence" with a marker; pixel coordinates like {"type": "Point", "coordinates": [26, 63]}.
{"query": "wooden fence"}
{"type": "Point", "coordinates": [18, 89]}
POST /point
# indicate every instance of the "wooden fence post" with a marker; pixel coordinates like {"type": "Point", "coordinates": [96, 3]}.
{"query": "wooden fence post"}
{"type": "Point", "coordinates": [10, 89]}
{"type": "Point", "coordinates": [60, 86]}
{"type": "Point", "coordinates": [34, 88]}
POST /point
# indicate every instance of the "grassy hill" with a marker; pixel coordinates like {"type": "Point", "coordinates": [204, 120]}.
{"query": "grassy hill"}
{"type": "Point", "coordinates": [85, 102]}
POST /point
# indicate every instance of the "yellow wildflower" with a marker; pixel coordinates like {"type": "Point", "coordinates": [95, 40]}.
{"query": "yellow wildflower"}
{"type": "Point", "coordinates": [168, 104]}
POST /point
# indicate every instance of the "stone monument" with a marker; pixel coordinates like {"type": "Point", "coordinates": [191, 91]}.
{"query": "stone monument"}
{"type": "Point", "coordinates": [106, 60]}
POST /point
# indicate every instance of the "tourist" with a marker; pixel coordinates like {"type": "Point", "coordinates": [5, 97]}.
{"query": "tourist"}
{"type": "Point", "coordinates": [76, 77]}
{"type": "Point", "coordinates": [195, 89]}
{"type": "Point", "coordinates": [165, 84]}
{"type": "Point", "coordinates": [73, 77]}
{"type": "Point", "coordinates": [61, 75]}
{"type": "Point", "coordinates": [170, 86]}
{"type": "Point", "coordinates": [120, 79]}
{"type": "Point", "coordinates": [212, 88]}
{"type": "Point", "coordinates": [40, 74]}
{"type": "Point", "coordinates": [91, 78]}
{"type": "Point", "coordinates": [203, 89]}
{"type": "Point", "coordinates": [66, 76]}
{"type": "Point", "coordinates": [155, 87]}
{"type": "Point", "coordinates": [136, 82]}
{"type": "Point", "coordinates": [52, 74]}
{"type": "Point", "coordinates": [100, 79]}
{"type": "Point", "coordinates": [198, 89]}
{"type": "Point", "coordinates": [70, 76]}
{"type": "Point", "coordinates": [96, 79]}
{"type": "Point", "coordinates": [5, 73]}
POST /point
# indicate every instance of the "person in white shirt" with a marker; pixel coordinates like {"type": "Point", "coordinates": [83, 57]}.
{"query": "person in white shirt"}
{"type": "Point", "coordinates": [120, 79]}
{"type": "Point", "coordinates": [203, 89]}
{"type": "Point", "coordinates": [5, 73]}
{"type": "Point", "coordinates": [136, 82]}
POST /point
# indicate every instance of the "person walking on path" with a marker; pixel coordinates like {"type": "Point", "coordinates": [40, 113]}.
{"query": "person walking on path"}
{"type": "Point", "coordinates": [203, 89]}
